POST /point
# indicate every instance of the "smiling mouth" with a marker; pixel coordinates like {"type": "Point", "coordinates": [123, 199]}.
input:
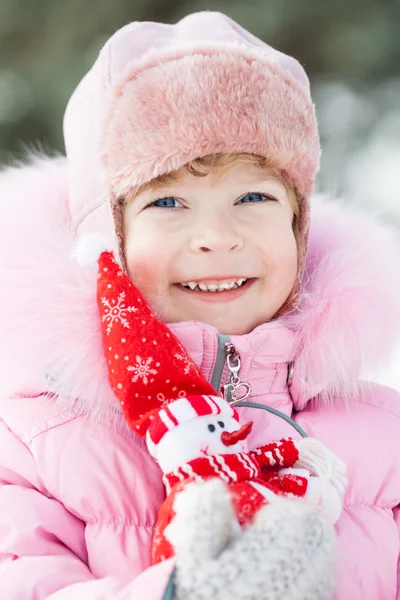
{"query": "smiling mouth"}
{"type": "Point", "coordinates": [214, 290]}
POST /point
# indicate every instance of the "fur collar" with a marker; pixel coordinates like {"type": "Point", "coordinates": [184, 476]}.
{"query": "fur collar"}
{"type": "Point", "coordinates": [348, 321]}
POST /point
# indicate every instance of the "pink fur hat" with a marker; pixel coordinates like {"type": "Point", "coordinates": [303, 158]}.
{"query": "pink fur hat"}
{"type": "Point", "coordinates": [161, 95]}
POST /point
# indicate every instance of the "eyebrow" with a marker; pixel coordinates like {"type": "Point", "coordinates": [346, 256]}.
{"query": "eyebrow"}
{"type": "Point", "coordinates": [263, 177]}
{"type": "Point", "coordinates": [266, 174]}
{"type": "Point", "coordinates": [274, 179]}
{"type": "Point", "coordinates": [255, 179]}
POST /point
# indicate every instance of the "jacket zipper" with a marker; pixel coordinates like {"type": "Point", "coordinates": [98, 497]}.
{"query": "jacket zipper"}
{"type": "Point", "coordinates": [216, 377]}
{"type": "Point", "coordinates": [228, 359]}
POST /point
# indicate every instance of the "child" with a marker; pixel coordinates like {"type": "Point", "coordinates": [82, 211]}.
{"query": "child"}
{"type": "Point", "coordinates": [195, 146]}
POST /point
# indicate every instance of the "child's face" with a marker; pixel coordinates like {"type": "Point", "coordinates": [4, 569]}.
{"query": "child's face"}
{"type": "Point", "coordinates": [212, 231]}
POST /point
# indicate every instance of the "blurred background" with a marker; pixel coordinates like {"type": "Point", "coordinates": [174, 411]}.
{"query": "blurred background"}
{"type": "Point", "coordinates": [350, 50]}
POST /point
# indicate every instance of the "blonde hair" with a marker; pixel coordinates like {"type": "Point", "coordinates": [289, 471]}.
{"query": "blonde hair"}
{"type": "Point", "coordinates": [219, 165]}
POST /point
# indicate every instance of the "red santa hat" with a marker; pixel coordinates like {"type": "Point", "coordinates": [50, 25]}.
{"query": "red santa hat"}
{"type": "Point", "coordinates": [148, 367]}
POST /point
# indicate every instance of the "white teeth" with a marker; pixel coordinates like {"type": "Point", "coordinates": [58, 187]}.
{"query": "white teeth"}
{"type": "Point", "coordinates": [213, 287]}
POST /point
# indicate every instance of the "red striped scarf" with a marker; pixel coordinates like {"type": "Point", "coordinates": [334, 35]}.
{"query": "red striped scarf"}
{"type": "Point", "coordinates": [228, 467]}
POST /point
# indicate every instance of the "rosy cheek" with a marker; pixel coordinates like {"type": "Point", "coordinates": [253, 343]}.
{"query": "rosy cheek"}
{"type": "Point", "coordinates": [142, 270]}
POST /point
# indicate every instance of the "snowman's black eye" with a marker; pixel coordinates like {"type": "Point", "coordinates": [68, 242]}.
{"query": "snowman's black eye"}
{"type": "Point", "coordinates": [211, 428]}
{"type": "Point", "coordinates": [221, 424]}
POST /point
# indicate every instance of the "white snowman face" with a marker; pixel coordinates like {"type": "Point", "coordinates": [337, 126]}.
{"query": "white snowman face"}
{"type": "Point", "coordinates": [196, 438]}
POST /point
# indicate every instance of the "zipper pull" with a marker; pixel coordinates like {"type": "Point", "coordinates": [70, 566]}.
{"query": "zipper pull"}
{"type": "Point", "coordinates": [229, 390]}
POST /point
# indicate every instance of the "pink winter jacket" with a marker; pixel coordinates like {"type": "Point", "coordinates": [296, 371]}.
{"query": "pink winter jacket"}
{"type": "Point", "coordinates": [79, 493]}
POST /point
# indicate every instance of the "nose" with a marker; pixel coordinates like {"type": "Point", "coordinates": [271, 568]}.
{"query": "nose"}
{"type": "Point", "coordinates": [231, 438]}
{"type": "Point", "coordinates": [216, 233]}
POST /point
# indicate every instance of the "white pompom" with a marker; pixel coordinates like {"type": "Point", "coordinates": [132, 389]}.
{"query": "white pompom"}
{"type": "Point", "coordinates": [88, 249]}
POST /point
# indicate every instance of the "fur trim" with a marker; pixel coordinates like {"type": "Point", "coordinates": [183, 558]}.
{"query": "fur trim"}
{"type": "Point", "coordinates": [49, 321]}
{"type": "Point", "coordinates": [277, 115]}
{"type": "Point", "coordinates": [348, 319]}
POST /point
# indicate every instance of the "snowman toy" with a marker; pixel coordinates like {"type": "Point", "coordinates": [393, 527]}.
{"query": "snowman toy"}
{"type": "Point", "coordinates": [193, 433]}
{"type": "Point", "coordinates": [199, 437]}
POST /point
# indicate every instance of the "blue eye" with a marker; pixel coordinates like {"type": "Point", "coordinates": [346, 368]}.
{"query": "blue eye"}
{"type": "Point", "coordinates": [254, 198]}
{"type": "Point", "coordinates": [164, 202]}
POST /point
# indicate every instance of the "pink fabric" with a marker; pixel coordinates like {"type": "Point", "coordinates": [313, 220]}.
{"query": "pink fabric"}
{"type": "Point", "coordinates": [132, 115]}
{"type": "Point", "coordinates": [79, 494]}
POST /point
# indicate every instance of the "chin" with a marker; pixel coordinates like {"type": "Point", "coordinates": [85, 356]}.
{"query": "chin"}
{"type": "Point", "coordinates": [234, 328]}
{"type": "Point", "coordinates": [240, 324]}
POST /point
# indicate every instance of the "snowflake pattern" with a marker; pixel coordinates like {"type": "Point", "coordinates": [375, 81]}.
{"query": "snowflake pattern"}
{"type": "Point", "coordinates": [142, 369]}
{"type": "Point", "coordinates": [116, 312]}
{"type": "Point", "coordinates": [188, 364]}
{"type": "Point", "coordinates": [165, 401]}
{"type": "Point", "coordinates": [162, 399]}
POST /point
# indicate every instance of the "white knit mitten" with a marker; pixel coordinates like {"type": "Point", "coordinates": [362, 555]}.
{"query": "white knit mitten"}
{"type": "Point", "coordinates": [286, 554]}
{"type": "Point", "coordinates": [328, 482]}
{"type": "Point", "coordinates": [323, 463]}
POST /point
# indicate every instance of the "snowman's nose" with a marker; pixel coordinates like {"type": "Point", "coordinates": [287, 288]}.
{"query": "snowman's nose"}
{"type": "Point", "coordinates": [231, 438]}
